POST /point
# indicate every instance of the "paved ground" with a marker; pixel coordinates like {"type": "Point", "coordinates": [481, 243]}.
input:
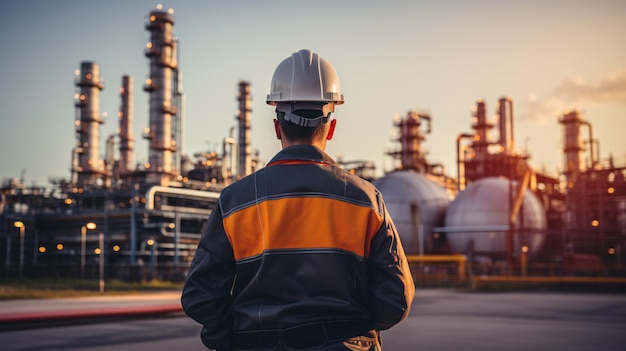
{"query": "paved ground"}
{"type": "Point", "coordinates": [446, 320]}
{"type": "Point", "coordinates": [13, 312]}
{"type": "Point", "coordinates": [439, 320]}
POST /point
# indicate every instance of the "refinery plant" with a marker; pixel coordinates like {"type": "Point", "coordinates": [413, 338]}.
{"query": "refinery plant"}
{"type": "Point", "coordinates": [496, 214]}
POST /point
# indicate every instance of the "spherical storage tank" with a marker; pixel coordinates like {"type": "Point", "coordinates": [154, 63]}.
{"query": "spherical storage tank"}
{"type": "Point", "coordinates": [416, 205]}
{"type": "Point", "coordinates": [475, 214]}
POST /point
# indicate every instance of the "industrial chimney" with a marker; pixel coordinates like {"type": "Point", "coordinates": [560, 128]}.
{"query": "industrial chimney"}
{"type": "Point", "coordinates": [243, 117]}
{"type": "Point", "coordinates": [505, 112]}
{"type": "Point", "coordinates": [126, 126]}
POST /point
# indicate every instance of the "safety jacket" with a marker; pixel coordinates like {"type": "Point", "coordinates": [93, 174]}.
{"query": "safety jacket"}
{"type": "Point", "coordinates": [300, 243]}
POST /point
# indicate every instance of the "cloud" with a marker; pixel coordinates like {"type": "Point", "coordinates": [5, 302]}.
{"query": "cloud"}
{"type": "Point", "coordinates": [542, 110]}
{"type": "Point", "coordinates": [610, 90]}
{"type": "Point", "coordinates": [575, 93]}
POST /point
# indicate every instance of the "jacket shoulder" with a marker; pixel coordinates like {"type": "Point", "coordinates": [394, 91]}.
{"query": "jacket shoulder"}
{"type": "Point", "coordinates": [368, 190]}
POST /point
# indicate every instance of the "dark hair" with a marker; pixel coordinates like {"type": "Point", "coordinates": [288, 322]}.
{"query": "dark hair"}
{"type": "Point", "coordinates": [293, 131]}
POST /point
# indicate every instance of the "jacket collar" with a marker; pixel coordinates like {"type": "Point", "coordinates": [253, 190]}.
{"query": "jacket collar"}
{"type": "Point", "coordinates": [302, 153]}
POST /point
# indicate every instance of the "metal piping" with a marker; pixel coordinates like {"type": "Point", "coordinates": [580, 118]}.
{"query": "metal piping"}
{"type": "Point", "coordinates": [519, 197]}
{"type": "Point", "coordinates": [233, 155]}
{"type": "Point", "coordinates": [594, 160]}
{"type": "Point", "coordinates": [76, 150]}
{"type": "Point", "coordinates": [459, 160]}
{"type": "Point", "coordinates": [472, 229]}
{"type": "Point", "coordinates": [110, 154]}
{"type": "Point", "coordinates": [178, 191]}
{"type": "Point", "coordinates": [180, 103]}
{"type": "Point", "coordinates": [440, 166]}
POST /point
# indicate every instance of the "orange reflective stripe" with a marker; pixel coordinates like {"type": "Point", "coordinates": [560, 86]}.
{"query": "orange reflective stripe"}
{"type": "Point", "coordinates": [302, 223]}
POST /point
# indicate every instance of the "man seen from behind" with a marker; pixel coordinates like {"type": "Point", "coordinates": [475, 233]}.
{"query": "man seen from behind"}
{"type": "Point", "coordinates": [300, 255]}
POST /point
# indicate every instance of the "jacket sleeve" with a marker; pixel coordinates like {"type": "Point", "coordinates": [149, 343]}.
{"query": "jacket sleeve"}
{"type": "Point", "coordinates": [206, 295]}
{"type": "Point", "coordinates": [391, 285]}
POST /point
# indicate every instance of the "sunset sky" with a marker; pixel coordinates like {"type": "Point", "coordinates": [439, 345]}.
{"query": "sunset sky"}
{"type": "Point", "coordinates": [392, 56]}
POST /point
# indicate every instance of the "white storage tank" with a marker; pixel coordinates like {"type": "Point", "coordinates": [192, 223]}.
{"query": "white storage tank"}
{"type": "Point", "coordinates": [417, 205]}
{"type": "Point", "coordinates": [473, 219]}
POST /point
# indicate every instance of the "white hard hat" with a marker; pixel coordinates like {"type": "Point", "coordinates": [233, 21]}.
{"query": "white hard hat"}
{"type": "Point", "coordinates": [305, 77]}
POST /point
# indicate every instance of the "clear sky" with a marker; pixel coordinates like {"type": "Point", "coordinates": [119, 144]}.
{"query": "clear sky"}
{"type": "Point", "coordinates": [391, 56]}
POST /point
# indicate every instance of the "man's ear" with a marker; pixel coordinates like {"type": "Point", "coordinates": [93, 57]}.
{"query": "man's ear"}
{"type": "Point", "coordinates": [277, 130]}
{"type": "Point", "coordinates": [331, 129]}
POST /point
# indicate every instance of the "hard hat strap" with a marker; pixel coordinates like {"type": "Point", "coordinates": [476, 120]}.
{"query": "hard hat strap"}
{"type": "Point", "coordinates": [288, 115]}
{"type": "Point", "coordinates": [306, 122]}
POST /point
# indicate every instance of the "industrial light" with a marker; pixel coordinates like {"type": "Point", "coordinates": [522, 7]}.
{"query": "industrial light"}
{"type": "Point", "coordinates": [116, 248]}
{"type": "Point", "coordinates": [595, 223]}
{"type": "Point", "coordinates": [59, 246]}
{"type": "Point", "coordinates": [611, 190]}
{"type": "Point", "coordinates": [97, 251]}
{"type": "Point", "coordinates": [611, 251]}
{"type": "Point", "coordinates": [42, 249]}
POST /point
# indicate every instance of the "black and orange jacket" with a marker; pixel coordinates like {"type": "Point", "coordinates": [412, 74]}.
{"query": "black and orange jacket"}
{"type": "Point", "coordinates": [297, 242]}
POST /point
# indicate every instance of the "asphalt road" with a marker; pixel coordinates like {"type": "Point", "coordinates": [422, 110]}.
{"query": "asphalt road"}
{"type": "Point", "coordinates": [440, 320]}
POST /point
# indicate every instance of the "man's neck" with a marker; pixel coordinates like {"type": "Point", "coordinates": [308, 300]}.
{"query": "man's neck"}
{"type": "Point", "coordinates": [316, 142]}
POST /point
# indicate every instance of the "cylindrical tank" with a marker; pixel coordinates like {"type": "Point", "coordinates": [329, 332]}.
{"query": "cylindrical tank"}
{"type": "Point", "coordinates": [478, 218]}
{"type": "Point", "coordinates": [416, 205]}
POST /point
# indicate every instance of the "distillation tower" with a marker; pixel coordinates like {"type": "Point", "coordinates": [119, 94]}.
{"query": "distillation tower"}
{"type": "Point", "coordinates": [485, 158]}
{"type": "Point", "coordinates": [87, 168]}
{"type": "Point", "coordinates": [595, 214]}
{"type": "Point", "coordinates": [411, 137]}
{"type": "Point", "coordinates": [163, 87]}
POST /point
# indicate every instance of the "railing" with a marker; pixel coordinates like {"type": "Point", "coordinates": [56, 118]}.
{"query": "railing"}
{"type": "Point", "coordinates": [457, 271]}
